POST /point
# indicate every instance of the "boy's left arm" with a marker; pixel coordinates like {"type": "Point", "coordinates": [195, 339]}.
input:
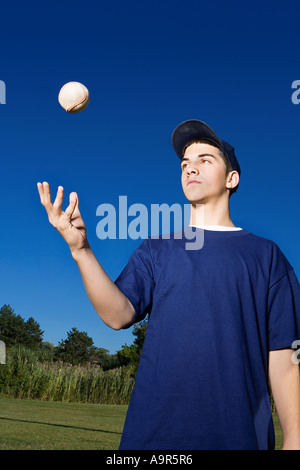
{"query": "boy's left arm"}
{"type": "Point", "coordinates": [285, 385]}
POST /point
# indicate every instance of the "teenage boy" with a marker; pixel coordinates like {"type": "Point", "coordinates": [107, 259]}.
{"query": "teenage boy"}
{"type": "Point", "coordinates": [222, 319]}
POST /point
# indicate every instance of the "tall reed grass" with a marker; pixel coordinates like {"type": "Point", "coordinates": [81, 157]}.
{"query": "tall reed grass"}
{"type": "Point", "coordinates": [25, 375]}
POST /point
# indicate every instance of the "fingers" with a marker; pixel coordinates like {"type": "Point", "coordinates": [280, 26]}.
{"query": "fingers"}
{"type": "Point", "coordinates": [58, 200]}
{"type": "Point", "coordinates": [41, 192]}
{"type": "Point", "coordinates": [55, 210]}
{"type": "Point", "coordinates": [73, 201]}
{"type": "Point", "coordinates": [45, 196]}
{"type": "Point", "coordinates": [44, 192]}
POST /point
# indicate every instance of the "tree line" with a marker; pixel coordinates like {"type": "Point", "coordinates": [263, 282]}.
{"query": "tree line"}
{"type": "Point", "coordinates": [77, 349]}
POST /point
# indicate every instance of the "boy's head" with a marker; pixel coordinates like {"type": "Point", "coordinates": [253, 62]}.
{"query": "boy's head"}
{"type": "Point", "coordinates": [196, 136]}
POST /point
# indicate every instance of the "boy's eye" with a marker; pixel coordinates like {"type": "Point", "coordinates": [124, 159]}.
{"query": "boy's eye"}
{"type": "Point", "coordinates": [184, 165]}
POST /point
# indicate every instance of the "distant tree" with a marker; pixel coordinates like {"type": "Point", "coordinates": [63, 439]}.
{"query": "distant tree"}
{"type": "Point", "coordinates": [47, 346]}
{"type": "Point", "coordinates": [78, 348]}
{"type": "Point", "coordinates": [46, 351]}
{"type": "Point", "coordinates": [15, 330]}
{"type": "Point", "coordinates": [139, 331]}
{"type": "Point", "coordinates": [34, 333]}
{"type": "Point", "coordinates": [130, 355]}
{"type": "Point", "coordinates": [106, 360]}
{"type": "Point", "coordinates": [12, 330]}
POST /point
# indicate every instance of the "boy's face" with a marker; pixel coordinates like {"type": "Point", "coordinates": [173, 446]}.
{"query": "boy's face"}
{"type": "Point", "coordinates": [203, 173]}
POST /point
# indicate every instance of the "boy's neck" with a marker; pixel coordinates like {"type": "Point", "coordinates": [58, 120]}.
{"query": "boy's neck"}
{"type": "Point", "coordinates": [208, 214]}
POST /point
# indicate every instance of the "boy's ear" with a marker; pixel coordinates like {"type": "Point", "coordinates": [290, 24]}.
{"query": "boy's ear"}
{"type": "Point", "coordinates": [232, 180]}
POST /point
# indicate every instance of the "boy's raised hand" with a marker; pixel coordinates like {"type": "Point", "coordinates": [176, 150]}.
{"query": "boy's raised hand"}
{"type": "Point", "coordinates": [68, 223]}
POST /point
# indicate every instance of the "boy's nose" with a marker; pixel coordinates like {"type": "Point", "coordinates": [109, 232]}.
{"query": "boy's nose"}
{"type": "Point", "coordinates": [192, 171]}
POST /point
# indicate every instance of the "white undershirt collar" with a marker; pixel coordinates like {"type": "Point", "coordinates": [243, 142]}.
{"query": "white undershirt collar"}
{"type": "Point", "coordinates": [217, 227]}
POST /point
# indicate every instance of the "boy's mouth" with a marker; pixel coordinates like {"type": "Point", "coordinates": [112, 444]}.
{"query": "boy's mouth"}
{"type": "Point", "coordinates": [192, 182]}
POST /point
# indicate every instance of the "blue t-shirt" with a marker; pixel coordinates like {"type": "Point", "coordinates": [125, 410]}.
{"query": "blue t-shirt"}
{"type": "Point", "coordinates": [214, 313]}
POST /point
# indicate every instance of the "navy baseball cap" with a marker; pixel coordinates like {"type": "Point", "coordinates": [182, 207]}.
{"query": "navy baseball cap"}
{"type": "Point", "coordinates": [194, 129]}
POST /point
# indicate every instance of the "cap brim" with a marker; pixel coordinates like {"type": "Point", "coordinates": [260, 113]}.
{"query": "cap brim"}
{"type": "Point", "coordinates": [192, 130]}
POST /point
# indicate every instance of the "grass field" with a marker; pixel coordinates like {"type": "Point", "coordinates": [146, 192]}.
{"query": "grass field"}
{"type": "Point", "coordinates": [41, 425]}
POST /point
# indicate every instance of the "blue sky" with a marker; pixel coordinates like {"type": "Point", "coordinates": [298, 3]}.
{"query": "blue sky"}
{"type": "Point", "coordinates": [148, 67]}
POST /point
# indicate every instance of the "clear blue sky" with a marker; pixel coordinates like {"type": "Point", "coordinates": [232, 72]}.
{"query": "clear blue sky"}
{"type": "Point", "coordinates": [148, 66]}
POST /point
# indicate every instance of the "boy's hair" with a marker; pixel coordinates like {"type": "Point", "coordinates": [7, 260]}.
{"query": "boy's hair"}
{"type": "Point", "coordinates": [228, 167]}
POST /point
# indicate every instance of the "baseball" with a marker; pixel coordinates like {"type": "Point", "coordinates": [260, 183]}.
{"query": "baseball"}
{"type": "Point", "coordinates": [74, 97]}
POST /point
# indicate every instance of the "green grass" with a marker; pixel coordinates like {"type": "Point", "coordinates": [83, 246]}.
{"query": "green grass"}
{"type": "Point", "coordinates": [278, 432]}
{"type": "Point", "coordinates": [38, 425]}
{"type": "Point", "coordinates": [41, 425]}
